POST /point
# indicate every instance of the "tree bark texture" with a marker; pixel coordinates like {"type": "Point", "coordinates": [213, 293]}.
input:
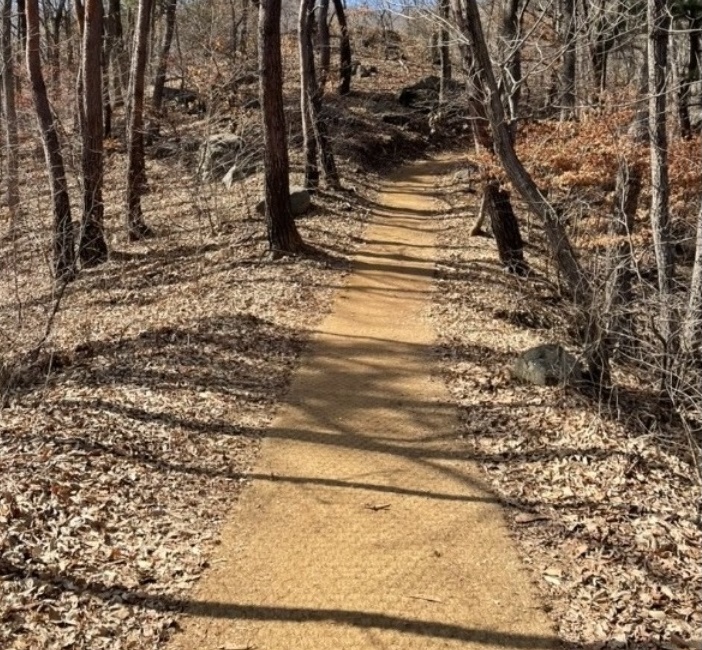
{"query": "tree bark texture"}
{"type": "Point", "coordinates": [10, 111]}
{"type": "Point", "coordinates": [312, 96]}
{"type": "Point", "coordinates": [92, 247]}
{"type": "Point", "coordinates": [306, 90]}
{"type": "Point", "coordinates": [64, 252]}
{"type": "Point", "coordinates": [567, 99]}
{"type": "Point", "coordinates": [162, 65]}
{"type": "Point", "coordinates": [692, 74]}
{"type": "Point", "coordinates": [136, 172]}
{"type": "Point", "coordinates": [512, 75]}
{"type": "Point", "coordinates": [283, 236]}
{"type": "Point", "coordinates": [505, 228]}
{"type": "Point", "coordinates": [117, 54]}
{"type": "Point", "coordinates": [444, 48]}
{"type": "Point", "coordinates": [619, 256]}
{"type": "Point", "coordinates": [658, 24]}
{"type": "Point", "coordinates": [345, 64]}
{"type": "Point", "coordinates": [324, 44]}
{"type": "Point", "coordinates": [692, 329]}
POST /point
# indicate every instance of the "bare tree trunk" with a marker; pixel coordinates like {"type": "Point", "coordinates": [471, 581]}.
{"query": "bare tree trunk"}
{"type": "Point", "coordinates": [579, 285]}
{"type": "Point", "coordinates": [22, 24]}
{"type": "Point", "coordinates": [244, 36]}
{"type": "Point", "coordinates": [444, 48]}
{"type": "Point", "coordinates": [54, 46]}
{"type": "Point", "coordinates": [306, 90]}
{"type": "Point", "coordinates": [324, 46]}
{"type": "Point", "coordinates": [638, 129]}
{"type": "Point", "coordinates": [160, 77]}
{"type": "Point", "coordinates": [312, 101]}
{"type": "Point", "coordinates": [658, 24]}
{"type": "Point", "coordinates": [10, 111]}
{"type": "Point", "coordinates": [692, 331]}
{"type": "Point", "coordinates": [118, 56]}
{"type": "Point", "coordinates": [64, 252]}
{"type": "Point", "coordinates": [283, 236]}
{"type": "Point", "coordinates": [569, 60]}
{"type": "Point", "coordinates": [619, 266]}
{"type": "Point", "coordinates": [92, 247]}
{"type": "Point", "coordinates": [136, 172]}
{"type": "Point", "coordinates": [345, 65]}
{"type": "Point", "coordinates": [505, 228]}
{"type": "Point", "coordinates": [512, 76]}
{"type": "Point", "coordinates": [692, 75]}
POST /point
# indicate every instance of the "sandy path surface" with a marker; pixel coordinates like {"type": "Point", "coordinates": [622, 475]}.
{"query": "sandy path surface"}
{"type": "Point", "coordinates": [366, 526]}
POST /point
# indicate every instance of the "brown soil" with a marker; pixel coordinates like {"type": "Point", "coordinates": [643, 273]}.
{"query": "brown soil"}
{"type": "Point", "coordinates": [366, 526]}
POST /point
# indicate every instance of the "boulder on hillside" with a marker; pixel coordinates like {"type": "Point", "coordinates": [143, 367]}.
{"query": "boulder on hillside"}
{"type": "Point", "coordinates": [238, 172]}
{"type": "Point", "coordinates": [300, 202]}
{"type": "Point", "coordinates": [218, 153]}
{"type": "Point", "coordinates": [548, 365]}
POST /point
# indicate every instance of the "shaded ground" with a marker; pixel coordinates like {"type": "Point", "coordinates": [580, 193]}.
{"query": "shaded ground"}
{"type": "Point", "coordinates": [368, 526]}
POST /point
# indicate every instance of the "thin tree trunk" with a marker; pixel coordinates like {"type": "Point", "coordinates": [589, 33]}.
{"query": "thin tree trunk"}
{"type": "Point", "coordinates": [118, 56]}
{"type": "Point", "coordinates": [244, 37]}
{"type": "Point", "coordinates": [92, 247]}
{"type": "Point", "coordinates": [306, 82]}
{"type": "Point", "coordinates": [692, 331]}
{"type": "Point", "coordinates": [283, 236]}
{"type": "Point", "coordinates": [444, 49]}
{"type": "Point", "coordinates": [136, 172]}
{"type": "Point", "coordinates": [312, 96]}
{"type": "Point", "coordinates": [658, 23]}
{"type": "Point", "coordinates": [54, 47]}
{"type": "Point", "coordinates": [512, 79]}
{"type": "Point", "coordinates": [619, 266]}
{"type": "Point", "coordinates": [505, 228]}
{"type": "Point", "coordinates": [10, 111]}
{"type": "Point", "coordinates": [22, 24]}
{"type": "Point", "coordinates": [324, 46]}
{"type": "Point", "coordinates": [345, 65]}
{"type": "Point", "coordinates": [160, 77]}
{"type": "Point", "coordinates": [569, 60]}
{"type": "Point", "coordinates": [692, 75]}
{"type": "Point", "coordinates": [578, 283]}
{"type": "Point", "coordinates": [64, 252]}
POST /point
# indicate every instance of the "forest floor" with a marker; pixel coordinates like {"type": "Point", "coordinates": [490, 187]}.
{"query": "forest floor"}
{"type": "Point", "coordinates": [125, 442]}
{"type": "Point", "coordinates": [367, 524]}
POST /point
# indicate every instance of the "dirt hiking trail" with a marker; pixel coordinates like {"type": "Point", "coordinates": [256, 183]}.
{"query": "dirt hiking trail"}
{"type": "Point", "coordinates": [366, 525]}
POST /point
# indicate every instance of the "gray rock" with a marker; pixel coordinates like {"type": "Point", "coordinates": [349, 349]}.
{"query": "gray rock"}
{"type": "Point", "coordinates": [300, 202]}
{"type": "Point", "coordinates": [547, 365]}
{"type": "Point", "coordinates": [238, 173]}
{"type": "Point", "coordinates": [218, 153]}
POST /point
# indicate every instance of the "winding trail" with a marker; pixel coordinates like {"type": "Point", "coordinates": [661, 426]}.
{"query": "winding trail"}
{"type": "Point", "coordinates": [367, 526]}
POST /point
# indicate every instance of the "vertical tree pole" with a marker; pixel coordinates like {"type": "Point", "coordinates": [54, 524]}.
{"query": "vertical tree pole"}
{"type": "Point", "coordinates": [283, 236]}
{"type": "Point", "coordinates": [10, 110]}
{"type": "Point", "coordinates": [312, 107]}
{"type": "Point", "coordinates": [161, 67]}
{"type": "Point", "coordinates": [345, 65]}
{"type": "Point", "coordinates": [92, 247]}
{"type": "Point", "coordinates": [324, 46]}
{"type": "Point", "coordinates": [658, 24]}
{"type": "Point", "coordinates": [568, 8]}
{"type": "Point", "coordinates": [64, 253]}
{"type": "Point", "coordinates": [306, 81]}
{"type": "Point", "coordinates": [136, 169]}
{"type": "Point", "coordinates": [444, 48]}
